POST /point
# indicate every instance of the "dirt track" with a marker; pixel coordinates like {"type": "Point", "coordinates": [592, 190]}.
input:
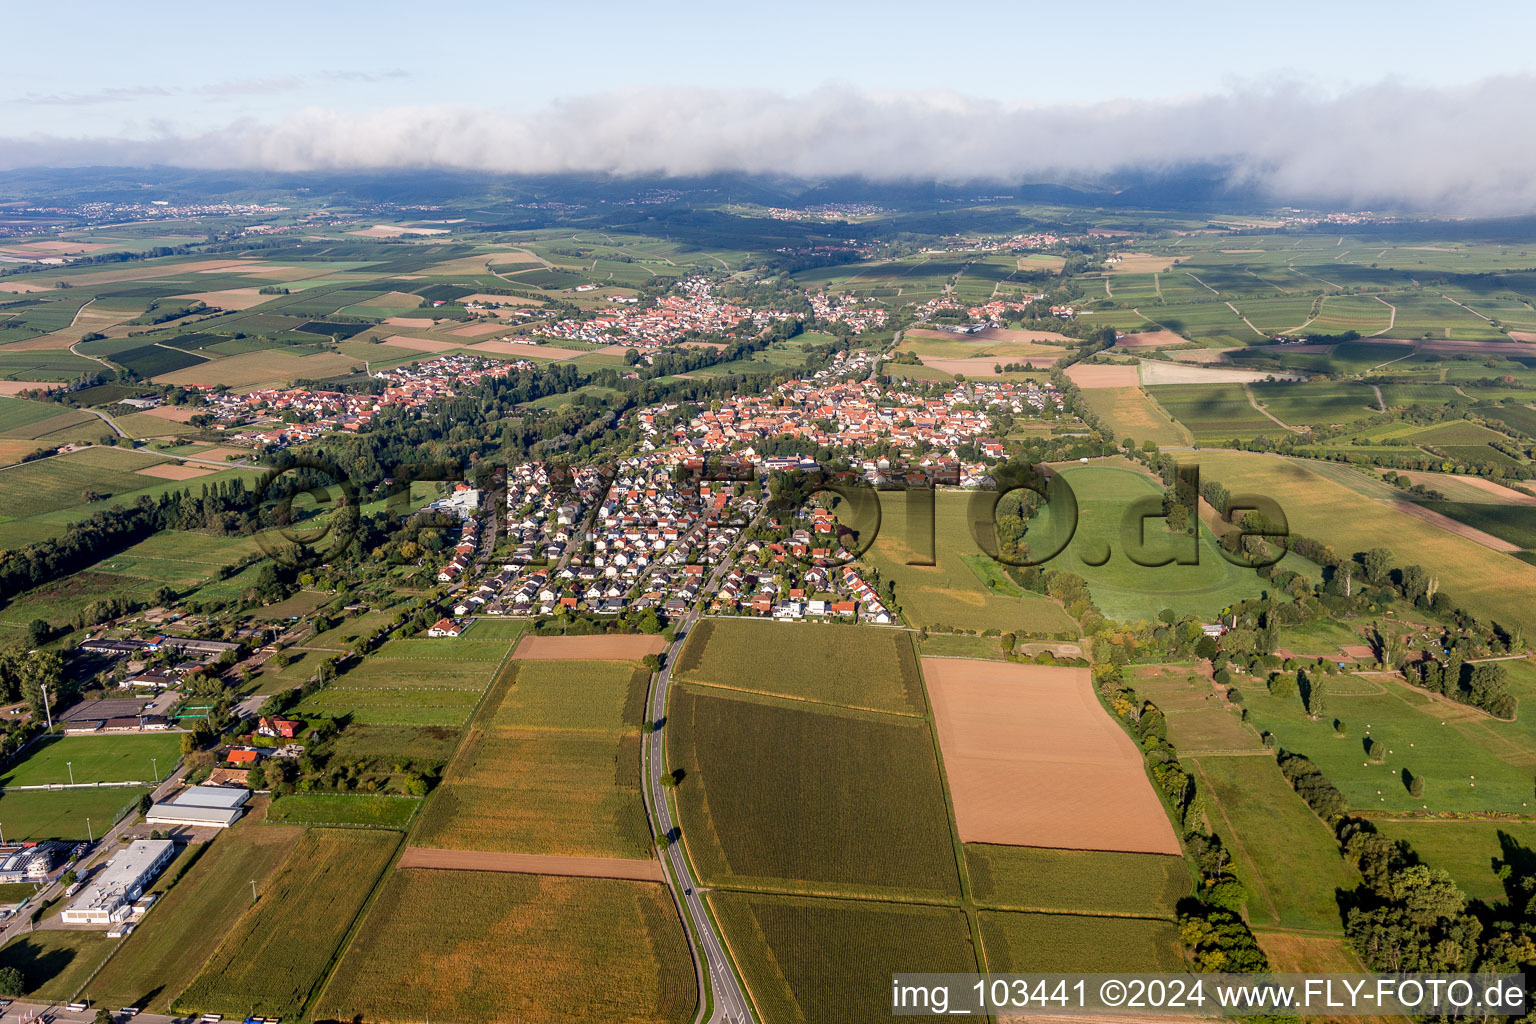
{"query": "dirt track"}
{"type": "Point", "coordinates": [1033, 760]}
{"type": "Point", "coordinates": [532, 864]}
{"type": "Point", "coordinates": [588, 648]}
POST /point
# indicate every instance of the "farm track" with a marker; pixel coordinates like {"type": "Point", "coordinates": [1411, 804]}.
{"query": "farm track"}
{"type": "Point", "coordinates": [1391, 323]}
{"type": "Point", "coordinates": [1253, 401]}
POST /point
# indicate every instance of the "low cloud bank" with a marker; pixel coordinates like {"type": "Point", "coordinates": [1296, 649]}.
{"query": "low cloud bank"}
{"type": "Point", "coordinates": [1461, 151]}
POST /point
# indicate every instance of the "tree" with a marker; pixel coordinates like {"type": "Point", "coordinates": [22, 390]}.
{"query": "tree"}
{"type": "Point", "coordinates": [11, 982]}
{"type": "Point", "coordinates": [1317, 695]}
{"type": "Point", "coordinates": [145, 803]}
{"type": "Point", "coordinates": [1376, 562]}
{"type": "Point", "coordinates": [38, 632]}
{"type": "Point", "coordinates": [1415, 784]}
{"type": "Point", "coordinates": [104, 1016]}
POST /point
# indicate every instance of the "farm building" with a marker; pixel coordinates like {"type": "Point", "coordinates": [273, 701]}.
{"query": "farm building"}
{"type": "Point", "coordinates": [201, 807]}
{"type": "Point", "coordinates": [110, 896]}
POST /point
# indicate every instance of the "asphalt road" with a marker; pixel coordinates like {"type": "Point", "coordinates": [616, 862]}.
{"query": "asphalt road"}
{"type": "Point", "coordinates": [731, 1005]}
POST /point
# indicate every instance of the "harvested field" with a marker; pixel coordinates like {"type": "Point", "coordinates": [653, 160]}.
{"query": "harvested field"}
{"type": "Point", "coordinates": [229, 298]}
{"type": "Point", "coordinates": [588, 648]}
{"type": "Point", "coordinates": [176, 471]}
{"type": "Point", "coordinates": [526, 350]}
{"type": "Point", "coordinates": [16, 387]}
{"type": "Point", "coordinates": [1034, 760]}
{"type": "Point", "coordinates": [423, 323]}
{"type": "Point", "coordinates": [498, 948]}
{"type": "Point", "coordinates": [421, 344]}
{"type": "Point", "coordinates": [478, 330]}
{"type": "Point", "coordinates": [1142, 263]}
{"type": "Point", "coordinates": [1093, 375]}
{"type": "Point", "coordinates": [1129, 412]}
{"type": "Point", "coordinates": [395, 231]}
{"type": "Point", "coordinates": [252, 370]}
{"type": "Point", "coordinates": [174, 413]}
{"type": "Point", "coordinates": [500, 300]}
{"type": "Point", "coordinates": [532, 864]}
{"type": "Point", "coordinates": [1151, 339]}
{"type": "Point", "coordinates": [1155, 372]}
{"type": "Point", "coordinates": [987, 366]}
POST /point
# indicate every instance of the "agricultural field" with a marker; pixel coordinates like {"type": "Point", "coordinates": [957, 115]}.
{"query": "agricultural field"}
{"type": "Point", "coordinates": [270, 960]}
{"type": "Point", "coordinates": [858, 667]}
{"type": "Point", "coordinates": [416, 681]}
{"type": "Point", "coordinates": [1469, 850]}
{"type": "Point", "coordinates": [1214, 412]}
{"type": "Point", "coordinates": [1488, 584]}
{"type": "Point", "coordinates": [1048, 943]}
{"type": "Point", "coordinates": [1076, 881]}
{"type": "Point", "coordinates": [793, 952]}
{"type": "Point", "coordinates": [1131, 412]}
{"type": "Point", "coordinates": [859, 811]}
{"type": "Point", "coordinates": [164, 953]}
{"type": "Point", "coordinates": [1284, 854]}
{"type": "Point", "coordinates": [950, 593]}
{"type": "Point", "coordinates": [1199, 720]}
{"type": "Point", "coordinates": [105, 758]}
{"type": "Point", "coordinates": [551, 765]}
{"type": "Point", "coordinates": [497, 948]}
{"type": "Point", "coordinates": [345, 809]}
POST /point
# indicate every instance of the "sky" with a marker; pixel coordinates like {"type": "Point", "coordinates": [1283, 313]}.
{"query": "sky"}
{"type": "Point", "coordinates": [1289, 96]}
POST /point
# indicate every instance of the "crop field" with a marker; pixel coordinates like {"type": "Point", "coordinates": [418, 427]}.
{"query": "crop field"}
{"type": "Point", "coordinates": [1284, 854]}
{"type": "Point", "coordinates": [949, 593]}
{"type": "Point", "coordinates": [1469, 761]}
{"type": "Point", "coordinates": [550, 766]}
{"type": "Point", "coordinates": [54, 963]}
{"type": "Point", "coordinates": [1469, 850]}
{"type": "Point", "coordinates": [794, 952]}
{"type": "Point", "coordinates": [253, 370]}
{"type": "Point", "coordinates": [106, 758]}
{"type": "Point", "coordinates": [1514, 523]}
{"type": "Point", "coordinates": [1324, 404]}
{"type": "Point", "coordinates": [354, 809]}
{"type": "Point", "coordinates": [164, 953]}
{"type": "Point", "coordinates": [1076, 881]}
{"type": "Point", "coordinates": [497, 948]}
{"type": "Point", "coordinates": [65, 480]}
{"type": "Point", "coordinates": [1214, 411]}
{"type": "Point", "coordinates": [858, 810]}
{"type": "Point", "coordinates": [380, 706]}
{"type": "Point", "coordinates": [1130, 412]}
{"type": "Point", "coordinates": [1050, 943]}
{"type": "Point", "coordinates": [861, 667]}
{"type": "Point", "coordinates": [68, 814]}
{"type": "Point", "coordinates": [1488, 584]}
{"type": "Point", "coordinates": [417, 681]}
{"type": "Point", "coordinates": [271, 958]}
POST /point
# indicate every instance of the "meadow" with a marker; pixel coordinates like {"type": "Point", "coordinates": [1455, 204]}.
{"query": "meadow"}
{"type": "Point", "coordinates": [1469, 850]}
{"type": "Point", "coordinates": [859, 810]}
{"type": "Point", "coordinates": [950, 593]}
{"type": "Point", "coordinates": [1217, 412]}
{"type": "Point", "coordinates": [271, 958]}
{"type": "Point", "coordinates": [860, 667]}
{"type": "Point", "coordinates": [1199, 721]}
{"type": "Point", "coordinates": [1284, 854]}
{"type": "Point", "coordinates": [473, 947]}
{"type": "Point", "coordinates": [355, 810]}
{"type": "Point", "coordinates": [794, 952]}
{"type": "Point", "coordinates": [164, 953]}
{"type": "Point", "coordinates": [1076, 881]}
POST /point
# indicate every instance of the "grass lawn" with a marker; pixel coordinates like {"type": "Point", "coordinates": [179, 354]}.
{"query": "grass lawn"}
{"type": "Point", "coordinates": [164, 953]}
{"type": "Point", "coordinates": [1284, 854]}
{"type": "Point", "coordinates": [496, 948]}
{"type": "Point", "coordinates": [783, 794]}
{"type": "Point", "coordinates": [54, 964]}
{"type": "Point", "coordinates": [365, 810]}
{"type": "Point", "coordinates": [855, 666]}
{"type": "Point", "coordinates": [1087, 881]}
{"type": "Point", "coordinates": [63, 814]}
{"type": "Point", "coordinates": [105, 758]}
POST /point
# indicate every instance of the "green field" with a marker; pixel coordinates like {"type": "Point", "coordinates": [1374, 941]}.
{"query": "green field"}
{"type": "Point", "coordinates": [1285, 856]}
{"type": "Point", "coordinates": [65, 814]}
{"type": "Point", "coordinates": [1199, 721]}
{"type": "Point", "coordinates": [68, 480]}
{"type": "Point", "coordinates": [1050, 943]}
{"type": "Point", "coordinates": [418, 681]}
{"type": "Point", "coordinates": [855, 666]}
{"type": "Point", "coordinates": [495, 948]}
{"type": "Point", "coordinates": [550, 765]}
{"type": "Point", "coordinates": [949, 593]}
{"type": "Point", "coordinates": [271, 958]}
{"type": "Point", "coordinates": [1076, 881]}
{"type": "Point", "coordinates": [164, 953]}
{"type": "Point", "coordinates": [362, 810]}
{"type": "Point", "coordinates": [1214, 411]}
{"type": "Point", "coordinates": [54, 964]}
{"type": "Point", "coordinates": [829, 961]}
{"type": "Point", "coordinates": [106, 758]}
{"type": "Point", "coordinates": [1467, 849]}
{"type": "Point", "coordinates": [857, 809]}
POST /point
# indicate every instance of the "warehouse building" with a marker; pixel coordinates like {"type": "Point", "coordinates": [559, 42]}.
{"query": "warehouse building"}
{"type": "Point", "coordinates": [110, 896]}
{"type": "Point", "coordinates": [201, 807]}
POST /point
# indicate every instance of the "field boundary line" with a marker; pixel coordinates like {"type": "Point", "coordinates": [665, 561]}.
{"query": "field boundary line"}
{"type": "Point", "coordinates": [800, 700]}
{"type": "Point", "coordinates": [1071, 913]}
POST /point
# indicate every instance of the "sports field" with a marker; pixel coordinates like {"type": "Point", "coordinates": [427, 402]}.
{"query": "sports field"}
{"type": "Point", "coordinates": [551, 765]}
{"type": "Point", "coordinates": [1285, 856]}
{"type": "Point", "coordinates": [54, 964]}
{"type": "Point", "coordinates": [788, 795]}
{"type": "Point", "coordinates": [269, 960]}
{"type": "Point", "coordinates": [467, 947]}
{"type": "Point", "coordinates": [72, 814]}
{"type": "Point", "coordinates": [164, 953]}
{"type": "Point", "coordinates": [795, 953]}
{"type": "Point", "coordinates": [105, 758]}
{"type": "Point", "coordinates": [1034, 760]}
{"type": "Point", "coordinates": [855, 666]}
